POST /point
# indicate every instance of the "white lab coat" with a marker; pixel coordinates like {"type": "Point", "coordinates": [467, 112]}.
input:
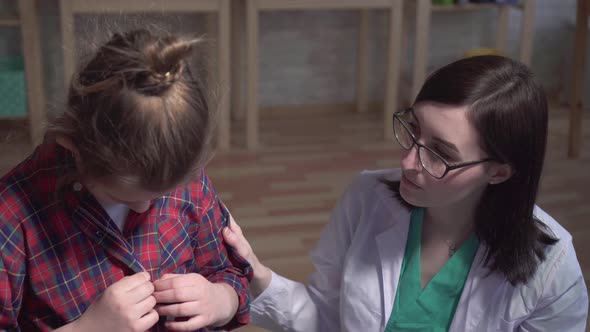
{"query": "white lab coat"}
{"type": "Point", "coordinates": [358, 261]}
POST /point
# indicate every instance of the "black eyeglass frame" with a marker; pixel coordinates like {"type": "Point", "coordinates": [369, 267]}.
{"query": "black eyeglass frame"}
{"type": "Point", "coordinates": [448, 166]}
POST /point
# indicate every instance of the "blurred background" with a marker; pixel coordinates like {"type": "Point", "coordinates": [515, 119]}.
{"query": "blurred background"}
{"type": "Point", "coordinates": [305, 91]}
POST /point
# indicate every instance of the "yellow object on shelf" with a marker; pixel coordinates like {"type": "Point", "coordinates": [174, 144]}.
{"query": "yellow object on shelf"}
{"type": "Point", "coordinates": [482, 51]}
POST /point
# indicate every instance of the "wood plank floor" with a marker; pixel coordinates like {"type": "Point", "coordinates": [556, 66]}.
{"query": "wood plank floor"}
{"type": "Point", "coordinates": [283, 193]}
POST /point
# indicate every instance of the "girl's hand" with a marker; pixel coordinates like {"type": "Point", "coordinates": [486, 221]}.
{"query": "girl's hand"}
{"type": "Point", "coordinates": [195, 300]}
{"type": "Point", "coordinates": [126, 306]}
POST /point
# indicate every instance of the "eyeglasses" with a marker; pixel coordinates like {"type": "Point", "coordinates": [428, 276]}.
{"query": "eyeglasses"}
{"type": "Point", "coordinates": [430, 160]}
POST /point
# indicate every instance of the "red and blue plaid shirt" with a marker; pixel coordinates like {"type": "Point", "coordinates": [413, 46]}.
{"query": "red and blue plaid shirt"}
{"type": "Point", "coordinates": [60, 250]}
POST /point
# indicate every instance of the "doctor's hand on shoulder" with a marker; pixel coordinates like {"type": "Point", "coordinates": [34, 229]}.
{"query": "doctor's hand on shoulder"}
{"type": "Point", "coordinates": [234, 236]}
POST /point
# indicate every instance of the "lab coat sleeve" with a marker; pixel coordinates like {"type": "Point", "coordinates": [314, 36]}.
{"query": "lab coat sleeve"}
{"type": "Point", "coordinates": [564, 304]}
{"type": "Point", "coordinates": [287, 305]}
{"type": "Point", "coordinates": [284, 306]}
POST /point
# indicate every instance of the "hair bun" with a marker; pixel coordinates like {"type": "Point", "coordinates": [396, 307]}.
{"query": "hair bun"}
{"type": "Point", "coordinates": [138, 60]}
{"type": "Point", "coordinates": [166, 58]}
{"type": "Point", "coordinates": [158, 61]}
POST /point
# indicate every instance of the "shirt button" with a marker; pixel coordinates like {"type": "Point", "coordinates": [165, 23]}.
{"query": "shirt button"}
{"type": "Point", "coordinates": [77, 186]}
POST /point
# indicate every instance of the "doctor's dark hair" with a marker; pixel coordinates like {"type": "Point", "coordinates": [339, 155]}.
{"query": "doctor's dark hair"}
{"type": "Point", "coordinates": [136, 113]}
{"type": "Point", "coordinates": [508, 108]}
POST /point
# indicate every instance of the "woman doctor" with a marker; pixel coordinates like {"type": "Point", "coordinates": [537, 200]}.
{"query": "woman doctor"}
{"type": "Point", "coordinates": [453, 240]}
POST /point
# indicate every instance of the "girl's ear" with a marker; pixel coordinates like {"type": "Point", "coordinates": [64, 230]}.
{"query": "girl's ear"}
{"type": "Point", "coordinates": [499, 173]}
{"type": "Point", "coordinates": [68, 144]}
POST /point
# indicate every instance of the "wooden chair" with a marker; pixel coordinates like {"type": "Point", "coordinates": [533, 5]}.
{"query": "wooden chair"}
{"type": "Point", "coordinates": [28, 21]}
{"type": "Point", "coordinates": [424, 10]}
{"type": "Point", "coordinates": [394, 8]}
{"type": "Point", "coordinates": [578, 79]}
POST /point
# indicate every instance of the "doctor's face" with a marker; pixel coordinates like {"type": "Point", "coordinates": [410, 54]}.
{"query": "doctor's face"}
{"type": "Point", "coordinates": [443, 163]}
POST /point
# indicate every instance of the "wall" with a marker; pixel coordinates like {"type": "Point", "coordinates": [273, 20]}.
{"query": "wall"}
{"type": "Point", "coordinates": [310, 57]}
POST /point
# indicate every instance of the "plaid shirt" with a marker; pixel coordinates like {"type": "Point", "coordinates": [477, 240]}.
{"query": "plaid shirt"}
{"type": "Point", "coordinates": [60, 250]}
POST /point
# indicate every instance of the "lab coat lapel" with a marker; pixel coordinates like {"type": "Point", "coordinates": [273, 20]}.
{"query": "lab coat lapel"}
{"type": "Point", "coordinates": [480, 287]}
{"type": "Point", "coordinates": [391, 245]}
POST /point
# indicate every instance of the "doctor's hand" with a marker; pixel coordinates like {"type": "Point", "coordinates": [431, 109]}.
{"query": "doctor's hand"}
{"type": "Point", "coordinates": [235, 238]}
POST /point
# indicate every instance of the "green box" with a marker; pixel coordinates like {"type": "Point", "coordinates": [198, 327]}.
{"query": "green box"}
{"type": "Point", "coordinates": [13, 100]}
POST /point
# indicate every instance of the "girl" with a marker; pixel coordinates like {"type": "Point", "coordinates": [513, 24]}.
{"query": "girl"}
{"type": "Point", "coordinates": [112, 224]}
{"type": "Point", "coordinates": [453, 240]}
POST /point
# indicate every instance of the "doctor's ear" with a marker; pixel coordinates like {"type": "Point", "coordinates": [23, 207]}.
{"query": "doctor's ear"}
{"type": "Point", "coordinates": [499, 173]}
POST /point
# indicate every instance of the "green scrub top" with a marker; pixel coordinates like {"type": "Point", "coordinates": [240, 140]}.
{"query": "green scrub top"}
{"type": "Point", "coordinates": [430, 309]}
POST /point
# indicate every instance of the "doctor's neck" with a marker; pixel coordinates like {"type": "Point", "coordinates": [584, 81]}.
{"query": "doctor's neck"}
{"type": "Point", "coordinates": [452, 221]}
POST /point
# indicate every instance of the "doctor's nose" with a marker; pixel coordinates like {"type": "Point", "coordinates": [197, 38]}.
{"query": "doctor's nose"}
{"type": "Point", "coordinates": [411, 159]}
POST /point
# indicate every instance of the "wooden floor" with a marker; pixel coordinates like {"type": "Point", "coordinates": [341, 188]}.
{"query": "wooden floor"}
{"type": "Point", "coordinates": [282, 194]}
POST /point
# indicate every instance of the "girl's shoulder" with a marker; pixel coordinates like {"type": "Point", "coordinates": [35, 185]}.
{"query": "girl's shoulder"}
{"type": "Point", "coordinates": [33, 183]}
{"type": "Point", "coordinates": [38, 173]}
